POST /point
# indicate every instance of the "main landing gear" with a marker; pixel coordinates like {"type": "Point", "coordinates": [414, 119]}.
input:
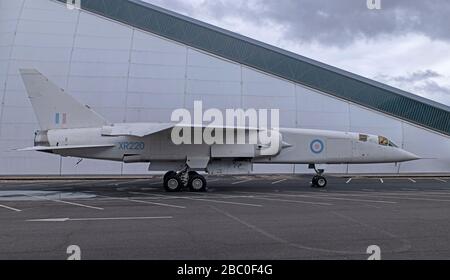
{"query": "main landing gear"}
{"type": "Point", "coordinates": [318, 181]}
{"type": "Point", "coordinates": [176, 181]}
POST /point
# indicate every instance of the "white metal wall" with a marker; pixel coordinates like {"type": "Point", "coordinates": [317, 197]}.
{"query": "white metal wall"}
{"type": "Point", "coordinates": [132, 76]}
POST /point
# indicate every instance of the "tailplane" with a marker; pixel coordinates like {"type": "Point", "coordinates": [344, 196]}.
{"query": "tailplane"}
{"type": "Point", "coordinates": [54, 108]}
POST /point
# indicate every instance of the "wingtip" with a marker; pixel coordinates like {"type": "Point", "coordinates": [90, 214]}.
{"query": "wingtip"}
{"type": "Point", "coordinates": [21, 149]}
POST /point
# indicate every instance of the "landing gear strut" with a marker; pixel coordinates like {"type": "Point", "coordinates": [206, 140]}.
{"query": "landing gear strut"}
{"type": "Point", "coordinates": [318, 181]}
{"type": "Point", "coordinates": [176, 181]}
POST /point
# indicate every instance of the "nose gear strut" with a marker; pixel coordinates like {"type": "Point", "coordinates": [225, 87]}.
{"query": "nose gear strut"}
{"type": "Point", "coordinates": [318, 181]}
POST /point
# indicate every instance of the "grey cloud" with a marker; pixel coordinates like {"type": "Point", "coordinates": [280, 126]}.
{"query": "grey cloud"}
{"type": "Point", "coordinates": [417, 76]}
{"type": "Point", "coordinates": [414, 77]}
{"type": "Point", "coordinates": [433, 87]}
{"type": "Point", "coordinates": [421, 82]}
{"type": "Point", "coordinates": [341, 22]}
{"type": "Point", "coordinates": [331, 21]}
{"type": "Point", "coordinates": [433, 90]}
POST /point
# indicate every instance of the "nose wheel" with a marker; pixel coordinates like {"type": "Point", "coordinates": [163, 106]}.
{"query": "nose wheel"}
{"type": "Point", "coordinates": [318, 181]}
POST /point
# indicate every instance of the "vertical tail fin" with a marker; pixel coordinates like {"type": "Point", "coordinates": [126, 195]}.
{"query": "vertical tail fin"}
{"type": "Point", "coordinates": [53, 107]}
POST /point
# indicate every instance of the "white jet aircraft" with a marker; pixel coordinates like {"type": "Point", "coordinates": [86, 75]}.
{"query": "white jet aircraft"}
{"type": "Point", "coordinates": [71, 129]}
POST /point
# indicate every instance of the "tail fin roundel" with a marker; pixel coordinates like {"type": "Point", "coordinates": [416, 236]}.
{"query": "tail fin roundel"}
{"type": "Point", "coordinates": [53, 107]}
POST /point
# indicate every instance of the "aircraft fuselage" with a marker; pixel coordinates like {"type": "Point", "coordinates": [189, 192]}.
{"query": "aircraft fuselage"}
{"type": "Point", "coordinates": [305, 146]}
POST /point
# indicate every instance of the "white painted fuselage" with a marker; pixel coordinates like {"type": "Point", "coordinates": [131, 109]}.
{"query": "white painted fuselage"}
{"type": "Point", "coordinates": [301, 146]}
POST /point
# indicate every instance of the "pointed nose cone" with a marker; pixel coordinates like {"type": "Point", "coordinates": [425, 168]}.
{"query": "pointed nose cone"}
{"type": "Point", "coordinates": [407, 156]}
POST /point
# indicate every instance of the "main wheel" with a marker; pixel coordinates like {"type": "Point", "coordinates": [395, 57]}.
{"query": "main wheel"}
{"type": "Point", "coordinates": [197, 183]}
{"type": "Point", "coordinates": [172, 183]}
{"type": "Point", "coordinates": [170, 173]}
{"type": "Point", "coordinates": [321, 182]}
{"type": "Point", "coordinates": [314, 182]}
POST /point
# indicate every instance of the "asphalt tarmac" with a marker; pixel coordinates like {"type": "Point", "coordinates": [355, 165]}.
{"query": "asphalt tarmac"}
{"type": "Point", "coordinates": [241, 217]}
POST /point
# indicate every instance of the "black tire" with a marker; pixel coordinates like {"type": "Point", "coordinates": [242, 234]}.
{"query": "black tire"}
{"type": "Point", "coordinates": [173, 183]}
{"type": "Point", "coordinates": [321, 182]}
{"type": "Point", "coordinates": [314, 182]}
{"type": "Point", "coordinates": [197, 183]}
{"type": "Point", "coordinates": [170, 173]}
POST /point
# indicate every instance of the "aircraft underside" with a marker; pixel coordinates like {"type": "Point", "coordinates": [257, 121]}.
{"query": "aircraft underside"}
{"type": "Point", "coordinates": [186, 178]}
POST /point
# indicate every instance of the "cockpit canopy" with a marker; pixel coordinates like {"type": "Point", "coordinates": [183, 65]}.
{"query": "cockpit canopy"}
{"type": "Point", "coordinates": [383, 141]}
{"type": "Point", "coordinates": [386, 142]}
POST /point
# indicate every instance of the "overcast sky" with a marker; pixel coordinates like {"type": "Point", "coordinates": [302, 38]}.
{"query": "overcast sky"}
{"type": "Point", "coordinates": [405, 44]}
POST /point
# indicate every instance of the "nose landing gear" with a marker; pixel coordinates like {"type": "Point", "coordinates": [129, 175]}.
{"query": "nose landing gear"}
{"type": "Point", "coordinates": [176, 181]}
{"type": "Point", "coordinates": [318, 181]}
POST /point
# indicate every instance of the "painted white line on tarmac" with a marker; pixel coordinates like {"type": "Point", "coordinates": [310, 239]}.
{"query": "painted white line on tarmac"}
{"type": "Point", "coordinates": [275, 197]}
{"type": "Point", "coordinates": [412, 180]}
{"type": "Point", "coordinates": [65, 202]}
{"type": "Point", "coordinates": [99, 219]}
{"type": "Point", "coordinates": [330, 197]}
{"type": "Point", "coordinates": [348, 181]}
{"type": "Point", "coordinates": [225, 202]}
{"type": "Point", "coordinates": [440, 180]}
{"type": "Point", "coordinates": [190, 193]}
{"type": "Point", "coordinates": [279, 181]}
{"type": "Point", "coordinates": [10, 208]}
{"type": "Point", "coordinates": [415, 198]}
{"type": "Point", "coordinates": [381, 180]}
{"type": "Point", "coordinates": [240, 182]}
{"type": "Point", "coordinates": [193, 195]}
{"type": "Point", "coordinates": [346, 199]}
{"type": "Point", "coordinates": [156, 203]}
{"type": "Point", "coordinates": [201, 199]}
{"type": "Point", "coordinates": [398, 196]}
{"type": "Point", "coordinates": [377, 193]}
{"type": "Point", "coordinates": [292, 201]}
{"type": "Point", "coordinates": [144, 202]}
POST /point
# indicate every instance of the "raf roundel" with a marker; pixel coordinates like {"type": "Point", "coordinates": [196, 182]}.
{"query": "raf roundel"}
{"type": "Point", "coordinates": [317, 146]}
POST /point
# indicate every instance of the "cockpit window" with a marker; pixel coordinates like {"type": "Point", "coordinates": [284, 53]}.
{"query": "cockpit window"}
{"type": "Point", "coordinates": [392, 144]}
{"type": "Point", "coordinates": [363, 137]}
{"type": "Point", "coordinates": [383, 141]}
{"type": "Point", "coordinates": [386, 142]}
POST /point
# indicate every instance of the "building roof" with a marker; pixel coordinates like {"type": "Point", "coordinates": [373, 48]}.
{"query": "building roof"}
{"type": "Point", "coordinates": [275, 61]}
